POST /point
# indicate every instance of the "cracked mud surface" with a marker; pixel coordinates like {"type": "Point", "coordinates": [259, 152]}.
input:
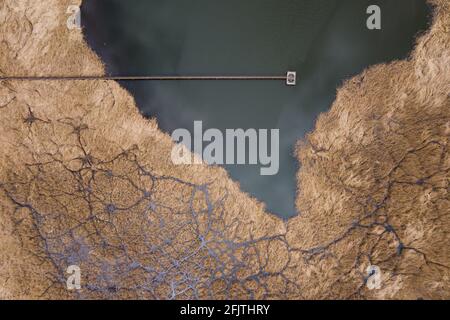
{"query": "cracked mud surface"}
{"type": "Point", "coordinates": [86, 180]}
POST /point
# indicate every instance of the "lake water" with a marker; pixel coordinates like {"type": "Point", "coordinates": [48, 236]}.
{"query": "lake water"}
{"type": "Point", "coordinates": [325, 41]}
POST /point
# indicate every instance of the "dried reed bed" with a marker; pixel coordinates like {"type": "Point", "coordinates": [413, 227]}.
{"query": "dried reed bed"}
{"type": "Point", "coordinates": [86, 180]}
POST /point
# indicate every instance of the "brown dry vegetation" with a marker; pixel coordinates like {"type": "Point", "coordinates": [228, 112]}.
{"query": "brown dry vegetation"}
{"type": "Point", "coordinates": [86, 180]}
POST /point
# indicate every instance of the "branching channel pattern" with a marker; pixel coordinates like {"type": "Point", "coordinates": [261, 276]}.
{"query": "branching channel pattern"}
{"type": "Point", "coordinates": [132, 232]}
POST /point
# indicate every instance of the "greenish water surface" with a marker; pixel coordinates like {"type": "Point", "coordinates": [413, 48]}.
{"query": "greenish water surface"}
{"type": "Point", "coordinates": [325, 41]}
